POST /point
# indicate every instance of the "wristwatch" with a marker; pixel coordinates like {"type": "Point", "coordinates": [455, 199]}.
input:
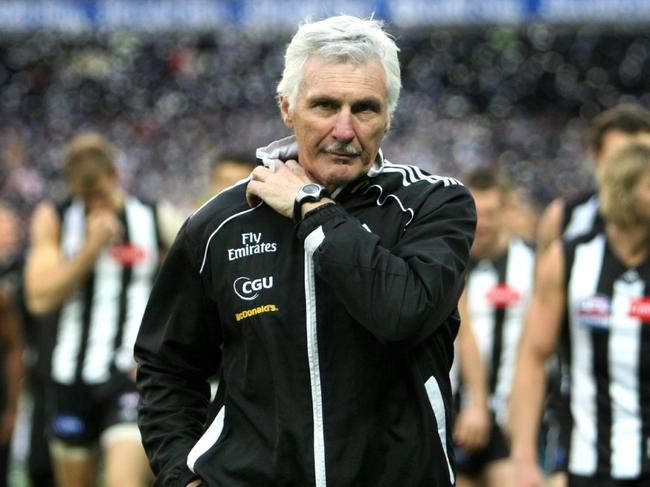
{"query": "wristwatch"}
{"type": "Point", "coordinates": [309, 192]}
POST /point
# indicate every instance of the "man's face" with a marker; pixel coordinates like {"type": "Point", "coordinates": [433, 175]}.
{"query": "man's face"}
{"type": "Point", "coordinates": [614, 140]}
{"type": "Point", "coordinates": [489, 216]}
{"type": "Point", "coordinates": [98, 193]}
{"type": "Point", "coordinates": [339, 120]}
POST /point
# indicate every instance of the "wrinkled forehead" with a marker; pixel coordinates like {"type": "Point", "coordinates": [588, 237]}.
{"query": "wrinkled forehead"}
{"type": "Point", "coordinates": [340, 76]}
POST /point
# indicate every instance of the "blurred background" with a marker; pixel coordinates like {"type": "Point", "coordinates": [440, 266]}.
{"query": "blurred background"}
{"type": "Point", "coordinates": [511, 82]}
{"type": "Point", "coordinates": [507, 82]}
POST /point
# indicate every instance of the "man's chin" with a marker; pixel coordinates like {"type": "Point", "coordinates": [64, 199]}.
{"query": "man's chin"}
{"type": "Point", "coordinates": [342, 174]}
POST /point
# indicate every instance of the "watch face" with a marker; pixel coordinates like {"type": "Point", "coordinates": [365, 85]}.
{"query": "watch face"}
{"type": "Point", "coordinates": [311, 189]}
{"type": "Point", "coordinates": [309, 192]}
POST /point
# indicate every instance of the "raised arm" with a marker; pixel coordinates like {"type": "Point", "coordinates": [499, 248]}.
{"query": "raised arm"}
{"type": "Point", "coordinates": [405, 293]}
{"type": "Point", "coordinates": [49, 279]}
{"type": "Point", "coordinates": [543, 324]}
{"type": "Point", "coordinates": [550, 225]}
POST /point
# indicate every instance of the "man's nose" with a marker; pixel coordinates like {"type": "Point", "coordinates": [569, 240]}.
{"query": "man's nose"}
{"type": "Point", "coordinates": [344, 128]}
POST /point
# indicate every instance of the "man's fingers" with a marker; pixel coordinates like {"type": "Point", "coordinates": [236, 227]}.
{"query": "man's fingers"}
{"type": "Point", "coordinates": [292, 164]}
{"type": "Point", "coordinates": [260, 173]}
{"type": "Point", "coordinates": [252, 193]}
{"type": "Point", "coordinates": [297, 169]}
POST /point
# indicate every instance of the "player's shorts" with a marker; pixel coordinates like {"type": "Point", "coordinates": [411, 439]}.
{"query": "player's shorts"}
{"type": "Point", "coordinates": [473, 463]}
{"type": "Point", "coordinates": [82, 413]}
{"type": "Point", "coordinates": [579, 481]}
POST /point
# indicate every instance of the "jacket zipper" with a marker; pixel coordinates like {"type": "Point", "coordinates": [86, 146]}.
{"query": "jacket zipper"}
{"type": "Point", "coordinates": [312, 355]}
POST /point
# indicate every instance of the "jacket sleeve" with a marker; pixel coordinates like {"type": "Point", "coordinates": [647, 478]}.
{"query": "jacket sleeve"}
{"type": "Point", "coordinates": [177, 349]}
{"type": "Point", "coordinates": [405, 293]}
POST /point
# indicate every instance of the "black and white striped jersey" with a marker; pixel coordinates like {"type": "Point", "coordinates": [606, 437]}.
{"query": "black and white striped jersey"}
{"type": "Point", "coordinates": [498, 293]}
{"type": "Point", "coordinates": [581, 215]}
{"type": "Point", "coordinates": [99, 323]}
{"type": "Point", "coordinates": [608, 314]}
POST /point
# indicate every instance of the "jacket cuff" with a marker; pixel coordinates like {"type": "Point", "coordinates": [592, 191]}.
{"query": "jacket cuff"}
{"type": "Point", "coordinates": [311, 223]}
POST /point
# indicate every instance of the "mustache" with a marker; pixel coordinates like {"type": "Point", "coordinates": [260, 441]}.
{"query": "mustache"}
{"type": "Point", "coordinates": [341, 148]}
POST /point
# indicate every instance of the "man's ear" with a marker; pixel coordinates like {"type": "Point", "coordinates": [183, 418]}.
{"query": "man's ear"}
{"type": "Point", "coordinates": [287, 117]}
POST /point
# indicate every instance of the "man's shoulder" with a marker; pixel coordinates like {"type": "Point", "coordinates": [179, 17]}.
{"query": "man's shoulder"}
{"type": "Point", "coordinates": [414, 183]}
{"type": "Point", "coordinates": [219, 209]}
{"type": "Point", "coordinates": [571, 244]}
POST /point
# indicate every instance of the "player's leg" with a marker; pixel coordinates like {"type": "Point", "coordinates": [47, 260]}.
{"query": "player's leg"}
{"type": "Point", "coordinates": [74, 466]}
{"type": "Point", "coordinates": [497, 470]}
{"type": "Point", "coordinates": [463, 480]}
{"type": "Point", "coordinates": [498, 473]}
{"type": "Point", "coordinates": [125, 462]}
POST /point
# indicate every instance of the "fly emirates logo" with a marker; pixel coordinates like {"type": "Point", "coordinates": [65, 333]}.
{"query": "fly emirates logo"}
{"type": "Point", "coordinates": [251, 244]}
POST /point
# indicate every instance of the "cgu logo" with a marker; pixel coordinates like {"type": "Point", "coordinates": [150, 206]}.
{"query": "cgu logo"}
{"type": "Point", "coordinates": [248, 289]}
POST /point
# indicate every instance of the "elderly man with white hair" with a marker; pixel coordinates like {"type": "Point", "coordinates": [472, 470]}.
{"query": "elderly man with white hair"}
{"type": "Point", "coordinates": [323, 290]}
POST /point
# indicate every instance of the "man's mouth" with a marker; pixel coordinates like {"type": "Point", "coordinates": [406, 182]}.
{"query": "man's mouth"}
{"type": "Point", "coordinates": [342, 153]}
{"type": "Point", "coordinates": [341, 158]}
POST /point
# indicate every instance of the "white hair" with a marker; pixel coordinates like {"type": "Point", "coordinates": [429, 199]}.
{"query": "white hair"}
{"type": "Point", "coordinates": [341, 38]}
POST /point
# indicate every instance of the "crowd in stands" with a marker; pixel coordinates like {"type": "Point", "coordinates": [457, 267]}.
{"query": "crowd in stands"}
{"type": "Point", "coordinates": [518, 97]}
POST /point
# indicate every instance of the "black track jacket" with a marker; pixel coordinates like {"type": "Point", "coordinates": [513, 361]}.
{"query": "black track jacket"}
{"type": "Point", "coordinates": [333, 339]}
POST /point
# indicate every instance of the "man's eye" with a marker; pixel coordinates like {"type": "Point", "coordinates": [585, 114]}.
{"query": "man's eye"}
{"type": "Point", "coordinates": [328, 105]}
{"type": "Point", "coordinates": [367, 108]}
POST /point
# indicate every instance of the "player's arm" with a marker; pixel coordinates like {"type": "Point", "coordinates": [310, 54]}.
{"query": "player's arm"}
{"type": "Point", "coordinates": [49, 279]}
{"type": "Point", "coordinates": [543, 323]}
{"type": "Point", "coordinates": [472, 427]}
{"type": "Point", "coordinates": [550, 225]}
{"type": "Point", "coordinates": [13, 365]}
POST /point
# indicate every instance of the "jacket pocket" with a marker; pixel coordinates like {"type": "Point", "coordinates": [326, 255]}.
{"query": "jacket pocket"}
{"type": "Point", "coordinates": [210, 437]}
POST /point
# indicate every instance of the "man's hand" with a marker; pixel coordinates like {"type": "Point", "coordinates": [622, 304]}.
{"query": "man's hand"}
{"type": "Point", "coordinates": [102, 229]}
{"type": "Point", "coordinates": [472, 428]}
{"type": "Point", "coordinates": [195, 483]}
{"type": "Point", "coordinates": [277, 189]}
